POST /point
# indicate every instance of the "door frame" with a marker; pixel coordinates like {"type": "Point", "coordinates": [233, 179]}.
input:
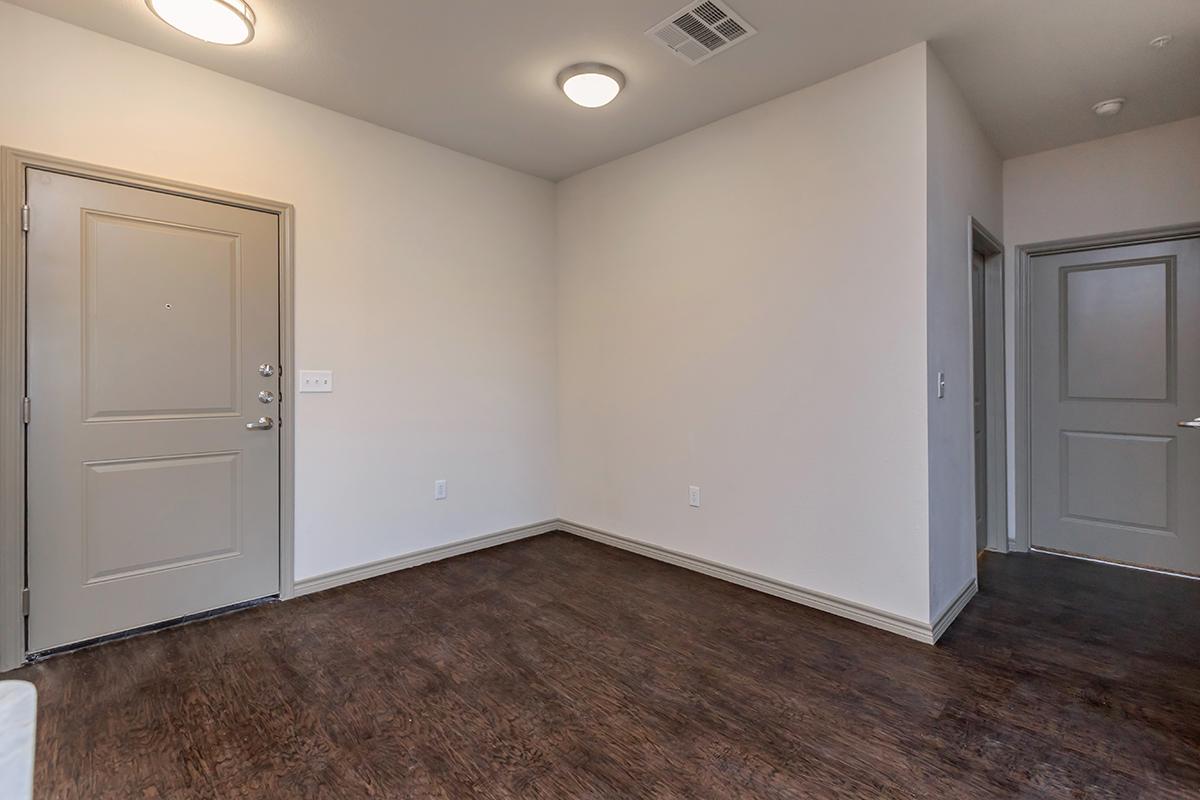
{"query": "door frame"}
{"type": "Point", "coordinates": [983, 241]}
{"type": "Point", "coordinates": [1023, 339]}
{"type": "Point", "coordinates": [13, 163]}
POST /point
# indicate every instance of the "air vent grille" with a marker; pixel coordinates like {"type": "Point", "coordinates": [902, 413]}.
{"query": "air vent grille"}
{"type": "Point", "coordinates": [708, 12]}
{"type": "Point", "coordinates": [699, 31]}
{"type": "Point", "coordinates": [730, 29]}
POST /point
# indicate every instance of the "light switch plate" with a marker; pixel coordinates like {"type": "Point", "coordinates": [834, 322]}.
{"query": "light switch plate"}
{"type": "Point", "coordinates": [439, 490]}
{"type": "Point", "coordinates": [694, 496]}
{"type": "Point", "coordinates": [316, 380]}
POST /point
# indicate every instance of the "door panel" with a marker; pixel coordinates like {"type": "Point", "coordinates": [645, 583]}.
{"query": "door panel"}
{"type": "Point", "coordinates": [1118, 479]}
{"type": "Point", "coordinates": [129, 265]}
{"type": "Point", "coordinates": [1116, 365]}
{"type": "Point", "coordinates": [149, 499]}
{"type": "Point", "coordinates": [201, 524]}
{"type": "Point", "coordinates": [1117, 328]}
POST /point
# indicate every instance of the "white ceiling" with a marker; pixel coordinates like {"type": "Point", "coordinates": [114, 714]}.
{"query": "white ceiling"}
{"type": "Point", "coordinates": [478, 75]}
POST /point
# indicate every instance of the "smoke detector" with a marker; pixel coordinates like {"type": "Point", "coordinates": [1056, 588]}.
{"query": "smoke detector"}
{"type": "Point", "coordinates": [1109, 108]}
{"type": "Point", "coordinates": [699, 31]}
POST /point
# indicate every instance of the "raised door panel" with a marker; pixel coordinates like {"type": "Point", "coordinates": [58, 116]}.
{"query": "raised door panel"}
{"type": "Point", "coordinates": [159, 298]}
{"type": "Point", "coordinates": [1117, 331]}
{"type": "Point", "coordinates": [1119, 480]}
{"type": "Point", "coordinates": [146, 515]}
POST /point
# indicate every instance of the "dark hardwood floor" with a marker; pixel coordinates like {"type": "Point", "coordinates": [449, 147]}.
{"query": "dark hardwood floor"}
{"type": "Point", "coordinates": [556, 667]}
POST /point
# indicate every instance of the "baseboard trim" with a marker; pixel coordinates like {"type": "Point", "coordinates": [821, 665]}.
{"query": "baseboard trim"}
{"type": "Point", "coordinates": [894, 623]}
{"type": "Point", "coordinates": [329, 580]}
{"type": "Point", "coordinates": [955, 608]}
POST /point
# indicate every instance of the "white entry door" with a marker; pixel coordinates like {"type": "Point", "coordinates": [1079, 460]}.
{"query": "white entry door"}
{"type": "Point", "coordinates": [153, 489]}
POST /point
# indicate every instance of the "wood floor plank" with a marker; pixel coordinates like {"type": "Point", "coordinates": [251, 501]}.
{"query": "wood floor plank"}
{"type": "Point", "coordinates": [557, 667]}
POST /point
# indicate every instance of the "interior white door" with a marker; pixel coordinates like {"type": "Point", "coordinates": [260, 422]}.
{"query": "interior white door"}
{"type": "Point", "coordinates": [149, 498]}
{"type": "Point", "coordinates": [1116, 369]}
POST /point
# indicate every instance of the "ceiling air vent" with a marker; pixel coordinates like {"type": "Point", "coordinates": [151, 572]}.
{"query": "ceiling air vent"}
{"type": "Point", "coordinates": [699, 31]}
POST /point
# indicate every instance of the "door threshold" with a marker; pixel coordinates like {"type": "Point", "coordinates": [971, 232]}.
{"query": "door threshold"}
{"type": "Point", "coordinates": [1189, 576]}
{"type": "Point", "coordinates": [42, 655]}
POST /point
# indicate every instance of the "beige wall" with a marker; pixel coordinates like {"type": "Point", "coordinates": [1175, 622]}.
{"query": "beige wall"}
{"type": "Point", "coordinates": [424, 279]}
{"type": "Point", "coordinates": [1136, 181]}
{"type": "Point", "coordinates": [964, 181]}
{"type": "Point", "coordinates": [743, 308]}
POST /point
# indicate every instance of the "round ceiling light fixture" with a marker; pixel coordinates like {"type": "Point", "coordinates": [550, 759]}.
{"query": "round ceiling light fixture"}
{"type": "Point", "coordinates": [591, 85]}
{"type": "Point", "coordinates": [1110, 107]}
{"type": "Point", "coordinates": [1160, 42]}
{"type": "Point", "coordinates": [214, 21]}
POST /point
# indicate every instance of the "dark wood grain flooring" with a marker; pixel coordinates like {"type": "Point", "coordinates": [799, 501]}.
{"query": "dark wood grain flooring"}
{"type": "Point", "coordinates": [556, 667]}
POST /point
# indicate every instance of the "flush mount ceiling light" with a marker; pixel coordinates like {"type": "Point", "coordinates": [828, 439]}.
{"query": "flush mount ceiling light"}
{"type": "Point", "coordinates": [215, 21]}
{"type": "Point", "coordinates": [1109, 108]}
{"type": "Point", "coordinates": [591, 85]}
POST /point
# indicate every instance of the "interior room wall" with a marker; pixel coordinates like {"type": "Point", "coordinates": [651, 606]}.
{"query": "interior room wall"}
{"type": "Point", "coordinates": [964, 173]}
{"type": "Point", "coordinates": [1146, 179]}
{"type": "Point", "coordinates": [424, 279]}
{"type": "Point", "coordinates": [757, 307]}
{"type": "Point", "coordinates": [743, 308]}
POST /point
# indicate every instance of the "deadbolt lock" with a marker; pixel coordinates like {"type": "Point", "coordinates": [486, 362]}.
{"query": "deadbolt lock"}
{"type": "Point", "coordinates": [266, 370]}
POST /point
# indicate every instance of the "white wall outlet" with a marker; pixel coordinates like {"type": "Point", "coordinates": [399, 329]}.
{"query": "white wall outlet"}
{"type": "Point", "coordinates": [694, 496]}
{"type": "Point", "coordinates": [316, 380]}
{"type": "Point", "coordinates": [439, 490]}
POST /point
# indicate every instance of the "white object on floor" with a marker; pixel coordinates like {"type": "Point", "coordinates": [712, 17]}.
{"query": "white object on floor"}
{"type": "Point", "coordinates": [18, 723]}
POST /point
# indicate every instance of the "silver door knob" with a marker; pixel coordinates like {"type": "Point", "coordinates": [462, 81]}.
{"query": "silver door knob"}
{"type": "Point", "coordinates": [263, 424]}
{"type": "Point", "coordinates": [1189, 423]}
{"type": "Point", "coordinates": [266, 370]}
{"type": "Point", "coordinates": [266, 397]}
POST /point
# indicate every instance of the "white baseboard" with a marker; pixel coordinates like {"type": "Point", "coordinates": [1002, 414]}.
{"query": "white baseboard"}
{"type": "Point", "coordinates": [340, 577]}
{"type": "Point", "coordinates": [913, 629]}
{"type": "Point", "coordinates": [952, 611]}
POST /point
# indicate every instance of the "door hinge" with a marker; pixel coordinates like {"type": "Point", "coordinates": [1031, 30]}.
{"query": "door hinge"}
{"type": "Point", "coordinates": [27, 410]}
{"type": "Point", "coordinates": [25, 602]}
{"type": "Point", "coordinates": [25, 218]}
